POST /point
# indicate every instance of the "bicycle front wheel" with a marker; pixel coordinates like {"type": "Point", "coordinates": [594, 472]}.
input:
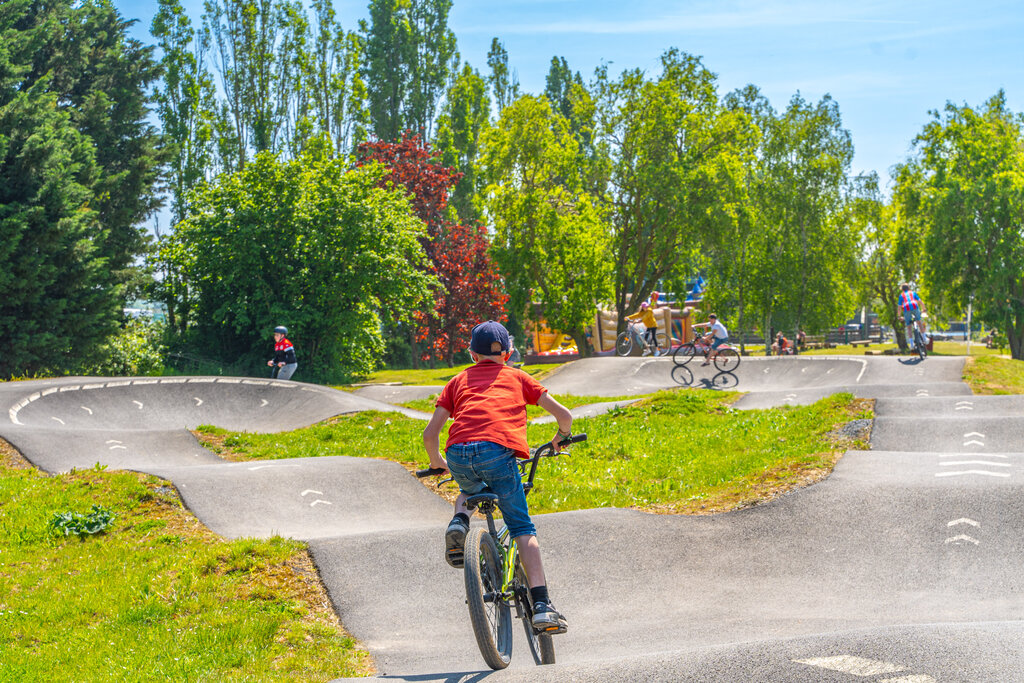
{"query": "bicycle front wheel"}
{"type": "Point", "coordinates": [624, 344]}
{"type": "Point", "coordinates": [488, 611]}
{"type": "Point", "coordinates": [541, 646]}
{"type": "Point", "coordinates": [684, 354]}
{"type": "Point", "coordinates": [727, 360]}
{"type": "Point", "coordinates": [919, 343]}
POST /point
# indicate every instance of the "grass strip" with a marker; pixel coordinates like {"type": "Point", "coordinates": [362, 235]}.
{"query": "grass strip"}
{"type": "Point", "coordinates": [155, 597]}
{"type": "Point", "coordinates": [441, 375]}
{"type": "Point", "coordinates": [994, 375]}
{"type": "Point", "coordinates": [680, 451]}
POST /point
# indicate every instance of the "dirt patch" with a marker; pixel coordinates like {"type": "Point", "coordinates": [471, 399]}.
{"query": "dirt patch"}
{"type": "Point", "coordinates": [11, 458]}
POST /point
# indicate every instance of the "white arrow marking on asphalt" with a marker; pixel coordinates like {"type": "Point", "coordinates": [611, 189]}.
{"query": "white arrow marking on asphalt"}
{"type": "Point", "coordinates": [963, 408]}
{"type": "Point", "coordinates": [766, 370]}
{"type": "Point", "coordinates": [957, 474]}
{"type": "Point", "coordinates": [963, 537]}
{"type": "Point", "coordinates": [88, 410]}
{"type": "Point", "coordinates": [263, 467]}
{"type": "Point", "coordinates": [123, 448]}
{"type": "Point", "coordinates": [987, 455]}
{"type": "Point", "coordinates": [855, 666]}
{"type": "Point", "coordinates": [57, 419]}
{"type": "Point", "coordinates": [974, 442]}
{"type": "Point", "coordinates": [962, 520]}
{"type": "Point", "coordinates": [325, 502]}
{"type": "Point", "coordinates": [138, 403]}
{"type": "Point", "coordinates": [964, 403]}
{"type": "Point", "coordinates": [974, 434]}
{"type": "Point", "coordinates": [263, 402]}
{"type": "Point", "coordinates": [319, 493]}
{"type": "Point", "coordinates": [975, 462]}
{"type": "Point", "coordinates": [198, 401]}
{"type": "Point", "coordinates": [114, 441]}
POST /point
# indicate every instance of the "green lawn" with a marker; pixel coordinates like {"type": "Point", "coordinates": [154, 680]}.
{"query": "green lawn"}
{"type": "Point", "coordinates": [442, 375]}
{"type": "Point", "coordinates": [682, 450]}
{"type": "Point", "coordinates": [155, 597]}
{"type": "Point", "coordinates": [994, 375]}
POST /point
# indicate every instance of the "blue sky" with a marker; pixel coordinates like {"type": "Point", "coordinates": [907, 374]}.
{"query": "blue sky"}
{"type": "Point", "coordinates": [887, 64]}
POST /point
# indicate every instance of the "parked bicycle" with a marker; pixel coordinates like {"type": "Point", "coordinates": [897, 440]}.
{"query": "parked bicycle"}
{"type": "Point", "coordinates": [496, 581]}
{"type": "Point", "coordinates": [727, 359]}
{"type": "Point", "coordinates": [635, 337]}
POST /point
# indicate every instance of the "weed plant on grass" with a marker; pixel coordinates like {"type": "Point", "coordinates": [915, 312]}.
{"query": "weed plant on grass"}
{"type": "Point", "coordinates": [676, 451]}
{"type": "Point", "coordinates": [156, 596]}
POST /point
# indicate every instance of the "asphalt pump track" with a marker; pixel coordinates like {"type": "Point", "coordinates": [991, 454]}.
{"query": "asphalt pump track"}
{"type": "Point", "coordinates": [903, 566]}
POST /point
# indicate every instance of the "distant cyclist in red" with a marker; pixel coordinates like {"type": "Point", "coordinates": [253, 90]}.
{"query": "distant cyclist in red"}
{"type": "Point", "coordinates": [284, 354]}
{"type": "Point", "coordinates": [912, 306]}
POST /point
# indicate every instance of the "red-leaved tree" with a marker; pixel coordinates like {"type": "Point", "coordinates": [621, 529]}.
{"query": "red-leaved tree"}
{"type": "Point", "coordinates": [472, 289]}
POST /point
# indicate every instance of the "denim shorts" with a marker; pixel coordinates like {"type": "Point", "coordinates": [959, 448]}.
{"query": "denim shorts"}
{"type": "Point", "coordinates": [482, 464]}
{"type": "Point", "coordinates": [912, 315]}
{"type": "Point", "coordinates": [718, 341]}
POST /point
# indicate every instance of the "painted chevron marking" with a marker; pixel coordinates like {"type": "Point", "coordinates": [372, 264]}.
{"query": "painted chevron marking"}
{"type": "Point", "coordinates": [987, 455]}
{"type": "Point", "coordinates": [963, 408]}
{"type": "Point", "coordinates": [118, 448]}
{"type": "Point", "coordinates": [308, 491]}
{"type": "Point", "coordinates": [963, 537]}
{"type": "Point", "coordinates": [912, 678]}
{"type": "Point", "coordinates": [57, 419]}
{"type": "Point", "coordinates": [964, 472]}
{"type": "Point", "coordinates": [113, 441]}
{"type": "Point", "coordinates": [964, 403]}
{"type": "Point", "coordinates": [975, 462]}
{"type": "Point", "coordinates": [974, 442]}
{"type": "Point", "coordinates": [325, 502]}
{"type": "Point", "coordinates": [88, 410]}
{"type": "Point", "coordinates": [198, 401]}
{"type": "Point", "coordinates": [138, 403]}
{"type": "Point", "coordinates": [962, 520]}
{"type": "Point", "coordinates": [263, 402]}
{"type": "Point", "coordinates": [855, 666]}
{"type": "Point", "coordinates": [979, 434]}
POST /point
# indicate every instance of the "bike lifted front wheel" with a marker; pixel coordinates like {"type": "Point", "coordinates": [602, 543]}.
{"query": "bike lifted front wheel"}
{"type": "Point", "coordinates": [489, 612]}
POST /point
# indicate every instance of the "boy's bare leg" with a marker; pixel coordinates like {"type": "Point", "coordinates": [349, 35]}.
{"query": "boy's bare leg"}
{"type": "Point", "coordinates": [529, 551]}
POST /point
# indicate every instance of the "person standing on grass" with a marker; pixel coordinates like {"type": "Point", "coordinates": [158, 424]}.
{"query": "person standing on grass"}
{"type": "Point", "coordinates": [284, 354]}
{"type": "Point", "coordinates": [487, 402]}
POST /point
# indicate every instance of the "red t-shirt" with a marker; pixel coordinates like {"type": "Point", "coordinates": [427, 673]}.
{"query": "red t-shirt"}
{"type": "Point", "coordinates": [488, 403]}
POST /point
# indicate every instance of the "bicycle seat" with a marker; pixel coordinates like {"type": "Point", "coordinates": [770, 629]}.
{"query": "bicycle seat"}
{"type": "Point", "coordinates": [485, 502]}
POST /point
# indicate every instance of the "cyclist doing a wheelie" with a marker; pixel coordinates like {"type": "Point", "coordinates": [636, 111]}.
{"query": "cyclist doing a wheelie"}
{"type": "Point", "coordinates": [716, 336]}
{"type": "Point", "coordinates": [487, 402]}
{"type": "Point", "coordinates": [912, 308]}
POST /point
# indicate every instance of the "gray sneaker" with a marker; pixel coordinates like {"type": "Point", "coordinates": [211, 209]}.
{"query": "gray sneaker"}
{"type": "Point", "coordinates": [454, 542]}
{"type": "Point", "coordinates": [547, 620]}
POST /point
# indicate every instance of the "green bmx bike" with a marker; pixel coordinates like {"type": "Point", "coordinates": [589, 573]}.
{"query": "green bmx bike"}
{"type": "Point", "coordinates": [496, 581]}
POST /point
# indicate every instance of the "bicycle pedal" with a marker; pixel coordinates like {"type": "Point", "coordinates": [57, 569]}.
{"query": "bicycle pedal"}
{"type": "Point", "coordinates": [455, 558]}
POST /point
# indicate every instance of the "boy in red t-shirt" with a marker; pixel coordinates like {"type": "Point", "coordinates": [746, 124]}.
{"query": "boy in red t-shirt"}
{"type": "Point", "coordinates": [487, 402]}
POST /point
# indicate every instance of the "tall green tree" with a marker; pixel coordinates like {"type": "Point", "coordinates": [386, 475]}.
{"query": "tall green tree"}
{"type": "Point", "coordinates": [464, 116]}
{"type": "Point", "coordinates": [503, 80]}
{"type": "Point", "coordinates": [264, 245]}
{"type": "Point", "coordinates": [58, 297]}
{"type": "Point", "coordinates": [409, 54]}
{"type": "Point", "coordinates": [673, 151]}
{"type": "Point", "coordinates": [973, 206]}
{"type": "Point", "coordinates": [549, 237]}
{"type": "Point", "coordinates": [102, 79]}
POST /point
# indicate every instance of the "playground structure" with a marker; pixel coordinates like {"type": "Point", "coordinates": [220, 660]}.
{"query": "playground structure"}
{"type": "Point", "coordinates": [550, 345]}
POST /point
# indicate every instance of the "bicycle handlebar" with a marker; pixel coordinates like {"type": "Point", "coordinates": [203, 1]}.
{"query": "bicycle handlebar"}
{"type": "Point", "coordinates": [538, 452]}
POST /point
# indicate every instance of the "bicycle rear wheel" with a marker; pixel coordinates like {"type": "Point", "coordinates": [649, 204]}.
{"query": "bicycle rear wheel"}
{"type": "Point", "coordinates": [541, 646]}
{"type": "Point", "coordinates": [684, 354]}
{"type": "Point", "coordinates": [727, 360]}
{"type": "Point", "coordinates": [624, 344]}
{"type": "Point", "coordinates": [488, 611]}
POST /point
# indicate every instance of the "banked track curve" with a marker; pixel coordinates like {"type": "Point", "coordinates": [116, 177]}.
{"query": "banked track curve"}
{"type": "Point", "coordinates": [857, 571]}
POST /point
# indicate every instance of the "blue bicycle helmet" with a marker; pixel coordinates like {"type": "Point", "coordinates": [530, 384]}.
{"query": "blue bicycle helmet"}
{"type": "Point", "coordinates": [280, 329]}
